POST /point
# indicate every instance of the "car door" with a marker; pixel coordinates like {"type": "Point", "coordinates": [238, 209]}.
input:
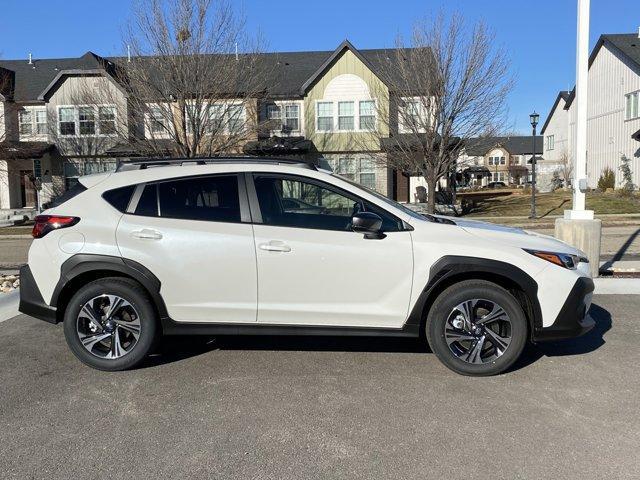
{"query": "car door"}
{"type": "Point", "coordinates": [313, 270]}
{"type": "Point", "coordinates": [195, 235]}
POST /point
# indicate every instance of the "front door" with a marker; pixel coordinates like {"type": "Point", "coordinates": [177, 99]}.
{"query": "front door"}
{"type": "Point", "coordinates": [313, 270]}
{"type": "Point", "coordinates": [193, 235]}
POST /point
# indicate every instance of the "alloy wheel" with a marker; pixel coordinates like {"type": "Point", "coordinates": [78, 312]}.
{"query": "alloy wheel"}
{"type": "Point", "coordinates": [478, 331]}
{"type": "Point", "coordinates": [108, 326]}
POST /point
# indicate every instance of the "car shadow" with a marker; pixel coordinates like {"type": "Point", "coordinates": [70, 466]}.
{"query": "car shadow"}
{"type": "Point", "coordinates": [176, 348]}
{"type": "Point", "coordinates": [587, 343]}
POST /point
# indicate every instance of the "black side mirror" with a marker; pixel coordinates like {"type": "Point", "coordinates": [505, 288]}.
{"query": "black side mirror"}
{"type": "Point", "coordinates": [368, 223]}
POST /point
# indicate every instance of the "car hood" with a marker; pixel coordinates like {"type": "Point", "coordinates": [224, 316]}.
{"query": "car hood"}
{"type": "Point", "coordinates": [512, 236]}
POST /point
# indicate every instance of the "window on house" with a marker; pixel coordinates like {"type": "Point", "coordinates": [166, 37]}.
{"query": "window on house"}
{"type": "Point", "coordinates": [346, 167]}
{"type": "Point", "coordinates": [345, 116]}
{"type": "Point", "coordinates": [503, 161]}
{"type": "Point", "coordinates": [325, 116]}
{"type": "Point", "coordinates": [67, 121]}
{"type": "Point", "coordinates": [498, 176]}
{"type": "Point", "coordinates": [26, 122]}
{"type": "Point", "coordinates": [87, 121]}
{"type": "Point", "coordinates": [157, 122]}
{"type": "Point", "coordinates": [292, 117]}
{"type": "Point", "coordinates": [631, 105]}
{"type": "Point", "coordinates": [368, 173]}
{"type": "Point", "coordinates": [550, 142]}
{"type": "Point", "coordinates": [41, 122]}
{"type": "Point", "coordinates": [273, 112]}
{"type": "Point", "coordinates": [410, 119]}
{"type": "Point", "coordinates": [107, 120]}
{"type": "Point", "coordinates": [236, 120]}
{"type": "Point", "coordinates": [367, 115]}
{"type": "Point", "coordinates": [215, 122]}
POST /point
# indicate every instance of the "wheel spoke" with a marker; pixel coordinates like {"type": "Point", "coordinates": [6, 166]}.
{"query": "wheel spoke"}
{"type": "Point", "coordinates": [501, 343]}
{"type": "Point", "coordinates": [90, 313]}
{"type": "Point", "coordinates": [456, 336]}
{"type": "Point", "coordinates": [497, 313]}
{"type": "Point", "coordinates": [116, 346]}
{"type": "Point", "coordinates": [132, 327]}
{"type": "Point", "coordinates": [115, 304]}
{"type": "Point", "coordinates": [474, 355]}
{"type": "Point", "coordinates": [90, 340]}
{"type": "Point", "coordinates": [467, 309]}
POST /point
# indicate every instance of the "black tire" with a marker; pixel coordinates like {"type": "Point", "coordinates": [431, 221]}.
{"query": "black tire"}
{"type": "Point", "coordinates": [464, 291]}
{"type": "Point", "coordinates": [132, 292]}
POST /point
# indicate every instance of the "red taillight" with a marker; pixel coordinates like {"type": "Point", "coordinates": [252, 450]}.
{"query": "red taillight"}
{"type": "Point", "coordinates": [47, 223]}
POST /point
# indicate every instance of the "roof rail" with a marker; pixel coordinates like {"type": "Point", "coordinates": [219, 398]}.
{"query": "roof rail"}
{"type": "Point", "coordinates": [143, 163]}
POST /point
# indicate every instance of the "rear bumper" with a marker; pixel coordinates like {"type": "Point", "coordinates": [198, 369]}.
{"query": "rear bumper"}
{"type": "Point", "coordinates": [573, 319]}
{"type": "Point", "coordinates": [31, 301]}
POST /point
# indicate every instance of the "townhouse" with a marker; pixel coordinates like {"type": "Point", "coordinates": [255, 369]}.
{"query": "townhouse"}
{"type": "Point", "coordinates": [321, 104]}
{"type": "Point", "coordinates": [613, 113]}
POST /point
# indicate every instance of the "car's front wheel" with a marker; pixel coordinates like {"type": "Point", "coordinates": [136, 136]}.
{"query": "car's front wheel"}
{"type": "Point", "coordinates": [110, 324]}
{"type": "Point", "coordinates": [476, 327]}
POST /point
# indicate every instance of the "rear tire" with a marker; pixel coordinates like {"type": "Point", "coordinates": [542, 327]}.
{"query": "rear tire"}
{"type": "Point", "coordinates": [476, 328]}
{"type": "Point", "coordinates": [110, 324]}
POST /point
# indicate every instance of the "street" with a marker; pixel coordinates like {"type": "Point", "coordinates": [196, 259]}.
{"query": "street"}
{"type": "Point", "coordinates": [322, 408]}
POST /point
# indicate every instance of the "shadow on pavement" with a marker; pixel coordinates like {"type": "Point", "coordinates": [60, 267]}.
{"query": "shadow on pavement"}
{"type": "Point", "coordinates": [174, 349]}
{"type": "Point", "coordinates": [589, 342]}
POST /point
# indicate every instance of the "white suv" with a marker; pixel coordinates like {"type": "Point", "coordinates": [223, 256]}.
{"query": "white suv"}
{"type": "Point", "coordinates": [268, 246]}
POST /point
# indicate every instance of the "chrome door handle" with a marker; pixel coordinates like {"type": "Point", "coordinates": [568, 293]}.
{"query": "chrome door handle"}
{"type": "Point", "coordinates": [274, 246]}
{"type": "Point", "coordinates": [147, 234]}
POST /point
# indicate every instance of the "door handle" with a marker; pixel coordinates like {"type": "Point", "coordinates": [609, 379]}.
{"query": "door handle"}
{"type": "Point", "coordinates": [275, 246]}
{"type": "Point", "coordinates": [147, 234]}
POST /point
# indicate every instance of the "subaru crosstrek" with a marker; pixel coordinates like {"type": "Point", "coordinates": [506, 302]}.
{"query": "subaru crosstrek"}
{"type": "Point", "coordinates": [268, 246]}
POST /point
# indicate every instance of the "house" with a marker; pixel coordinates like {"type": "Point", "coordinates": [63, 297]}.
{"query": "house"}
{"type": "Point", "coordinates": [498, 159]}
{"type": "Point", "coordinates": [613, 113]}
{"type": "Point", "coordinates": [320, 104]}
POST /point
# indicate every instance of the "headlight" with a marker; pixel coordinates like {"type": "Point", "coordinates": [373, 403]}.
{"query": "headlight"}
{"type": "Point", "coordinates": [565, 260]}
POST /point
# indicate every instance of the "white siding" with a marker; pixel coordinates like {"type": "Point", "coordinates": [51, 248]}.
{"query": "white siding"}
{"type": "Point", "coordinates": [611, 76]}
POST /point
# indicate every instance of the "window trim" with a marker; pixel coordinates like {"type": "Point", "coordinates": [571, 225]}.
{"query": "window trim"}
{"type": "Point", "coordinates": [335, 115]}
{"type": "Point", "coordinates": [256, 213]}
{"type": "Point", "coordinates": [243, 200]}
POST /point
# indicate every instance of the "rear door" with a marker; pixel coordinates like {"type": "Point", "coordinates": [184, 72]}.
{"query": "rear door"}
{"type": "Point", "coordinates": [195, 235]}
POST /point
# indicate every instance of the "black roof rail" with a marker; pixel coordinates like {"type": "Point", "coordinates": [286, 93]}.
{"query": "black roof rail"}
{"type": "Point", "coordinates": [143, 163]}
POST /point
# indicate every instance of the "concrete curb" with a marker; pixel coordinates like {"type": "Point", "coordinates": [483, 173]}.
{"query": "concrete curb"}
{"type": "Point", "coordinates": [617, 286]}
{"type": "Point", "coordinates": [9, 305]}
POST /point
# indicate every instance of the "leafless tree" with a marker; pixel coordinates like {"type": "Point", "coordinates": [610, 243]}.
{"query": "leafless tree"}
{"type": "Point", "coordinates": [5, 91]}
{"type": "Point", "coordinates": [189, 86]}
{"type": "Point", "coordinates": [566, 168]}
{"type": "Point", "coordinates": [447, 84]}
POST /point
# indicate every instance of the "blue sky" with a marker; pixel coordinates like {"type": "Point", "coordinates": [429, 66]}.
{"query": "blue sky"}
{"type": "Point", "coordinates": [539, 36]}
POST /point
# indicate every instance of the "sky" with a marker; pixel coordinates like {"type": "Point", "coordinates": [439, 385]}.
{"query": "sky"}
{"type": "Point", "coordinates": [539, 36]}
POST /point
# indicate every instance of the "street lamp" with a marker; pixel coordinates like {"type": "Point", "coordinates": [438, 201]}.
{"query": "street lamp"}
{"type": "Point", "coordinates": [534, 117]}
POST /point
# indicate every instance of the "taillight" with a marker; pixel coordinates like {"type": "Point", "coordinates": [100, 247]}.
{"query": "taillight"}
{"type": "Point", "coordinates": [47, 223]}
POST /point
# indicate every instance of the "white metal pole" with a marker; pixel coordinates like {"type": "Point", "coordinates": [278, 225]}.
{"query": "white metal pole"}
{"type": "Point", "coordinates": [582, 79]}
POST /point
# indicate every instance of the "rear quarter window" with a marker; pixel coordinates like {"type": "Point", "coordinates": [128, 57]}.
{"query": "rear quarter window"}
{"type": "Point", "coordinates": [119, 198]}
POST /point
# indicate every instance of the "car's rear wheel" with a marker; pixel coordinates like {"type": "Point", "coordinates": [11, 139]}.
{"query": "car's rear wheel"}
{"type": "Point", "coordinates": [110, 324]}
{"type": "Point", "coordinates": [477, 328]}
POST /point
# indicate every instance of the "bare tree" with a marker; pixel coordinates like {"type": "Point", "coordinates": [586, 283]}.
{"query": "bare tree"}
{"type": "Point", "coordinates": [566, 168]}
{"type": "Point", "coordinates": [193, 78]}
{"type": "Point", "coordinates": [448, 84]}
{"type": "Point", "coordinates": [5, 92]}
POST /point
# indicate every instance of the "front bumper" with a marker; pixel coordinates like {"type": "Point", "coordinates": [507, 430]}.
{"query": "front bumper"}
{"type": "Point", "coordinates": [31, 301]}
{"type": "Point", "coordinates": [574, 319]}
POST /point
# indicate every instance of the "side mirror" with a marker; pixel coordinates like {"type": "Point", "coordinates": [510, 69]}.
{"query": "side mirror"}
{"type": "Point", "coordinates": [368, 223]}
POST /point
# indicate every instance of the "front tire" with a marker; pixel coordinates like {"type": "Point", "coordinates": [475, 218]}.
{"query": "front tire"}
{"type": "Point", "coordinates": [477, 328]}
{"type": "Point", "coordinates": [110, 324]}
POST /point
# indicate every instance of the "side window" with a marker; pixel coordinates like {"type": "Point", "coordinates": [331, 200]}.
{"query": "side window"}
{"type": "Point", "coordinates": [212, 199]}
{"type": "Point", "coordinates": [148, 203]}
{"type": "Point", "coordinates": [119, 197]}
{"type": "Point", "coordinates": [293, 202]}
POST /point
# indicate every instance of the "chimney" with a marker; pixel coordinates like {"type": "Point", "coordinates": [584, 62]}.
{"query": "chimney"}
{"type": "Point", "coordinates": [638, 32]}
{"type": "Point", "coordinates": [128, 54]}
{"type": "Point", "coordinates": [236, 51]}
{"type": "Point", "coordinates": [30, 59]}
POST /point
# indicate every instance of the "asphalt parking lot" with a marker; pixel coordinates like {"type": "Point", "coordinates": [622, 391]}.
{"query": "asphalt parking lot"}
{"type": "Point", "coordinates": [276, 408]}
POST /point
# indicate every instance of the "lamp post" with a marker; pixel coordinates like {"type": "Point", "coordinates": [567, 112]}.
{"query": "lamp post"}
{"type": "Point", "coordinates": [534, 117]}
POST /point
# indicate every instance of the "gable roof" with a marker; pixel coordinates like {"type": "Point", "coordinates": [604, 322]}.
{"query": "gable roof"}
{"type": "Point", "coordinates": [564, 95]}
{"type": "Point", "coordinates": [515, 145]}
{"type": "Point", "coordinates": [290, 72]}
{"type": "Point", "coordinates": [627, 44]}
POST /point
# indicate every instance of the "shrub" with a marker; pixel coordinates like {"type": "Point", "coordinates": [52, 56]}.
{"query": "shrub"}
{"type": "Point", "coordinates": [556, 181]}
{"type": "Point", "coordinates": [607, 179]}
{"type": "Point", "coordinates": [627, 178]}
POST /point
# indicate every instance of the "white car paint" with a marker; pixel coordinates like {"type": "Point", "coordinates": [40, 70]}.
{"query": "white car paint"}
{"type": "Point", "coordinates": [221, 272]}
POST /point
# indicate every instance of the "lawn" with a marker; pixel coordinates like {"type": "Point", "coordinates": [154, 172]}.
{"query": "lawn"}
{"type": "Point", "coordinates": [553, 204]}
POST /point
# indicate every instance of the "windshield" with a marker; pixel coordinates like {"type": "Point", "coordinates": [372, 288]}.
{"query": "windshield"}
{"type": "Point", "coordinates": [386, 200]}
